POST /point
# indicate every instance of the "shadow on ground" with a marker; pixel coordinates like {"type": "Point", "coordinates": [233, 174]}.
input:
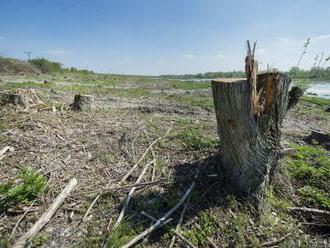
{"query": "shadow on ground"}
{"type": "Point", "coordinates": [209, 192]}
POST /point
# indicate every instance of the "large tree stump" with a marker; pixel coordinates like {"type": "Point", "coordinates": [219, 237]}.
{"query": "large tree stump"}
{"type": "Point", "coordinates": [249, 121]}
{"type": "Point", "coordinates": [83, 102]}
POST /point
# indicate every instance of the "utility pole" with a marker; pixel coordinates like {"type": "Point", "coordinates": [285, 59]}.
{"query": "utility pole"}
{"type": "Point", "coordinates": [28, 53]}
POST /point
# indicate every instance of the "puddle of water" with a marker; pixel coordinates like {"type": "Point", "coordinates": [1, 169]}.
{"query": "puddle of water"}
{"type": "Point", "coordinates": [321, 89]}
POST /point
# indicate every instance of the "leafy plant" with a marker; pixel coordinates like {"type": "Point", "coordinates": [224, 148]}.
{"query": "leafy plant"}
{"type": "Point", "coordinates": [25, 188]}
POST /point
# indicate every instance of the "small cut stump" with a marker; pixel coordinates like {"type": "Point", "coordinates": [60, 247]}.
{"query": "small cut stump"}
{"type": "Point", "coordinates": [83, 102]}
{"type": "Point", "coordinates": [22, 97]}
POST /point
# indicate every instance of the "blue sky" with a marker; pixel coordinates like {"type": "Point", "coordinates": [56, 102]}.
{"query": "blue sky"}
{"type": "Point", "coordinates": [164, 36]}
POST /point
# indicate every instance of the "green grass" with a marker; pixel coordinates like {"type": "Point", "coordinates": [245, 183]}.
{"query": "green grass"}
{"type": "Point", "coordinates": [317, 100]}
{"type": "Point", "coordinates": [310, 171]}
{"type": "Point", "coordinates": [121, 235]}
{"type": "Point", "coordinates": [192, 137]}
{"type": "Point", "coordinates": [12, 86]}
{"type": "Point", "coordinates": [195, 100]}
{"type": "Point", "coordinates": [187, 85]}
{"type": "Point", "coordinates": [28, 185]}
{"type": "Point", "coordinates": [39, 240]}
{"type": "Point", "coordinates": [208, 223]}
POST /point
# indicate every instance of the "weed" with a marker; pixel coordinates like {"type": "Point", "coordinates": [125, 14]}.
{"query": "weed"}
{"type": "Point", "coordinates": [4, 243]}
{"type": "Point", "coordinates": [207, 226]}
{"type": "Point", "coordinates": [315, 196]}
{"type": "Point", "coordinates": [310, 170]}
{"type": "Point", "coordinates": [28, 186]}
{"type": "Point", "coordinates": [121, 235]}
{"type": "Point", "coordinates": [193, 139]}
{"type": "Point", "coordinates": [39, 240]}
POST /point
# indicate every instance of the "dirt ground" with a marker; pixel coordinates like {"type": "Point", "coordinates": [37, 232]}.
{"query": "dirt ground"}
{"type": "Point", "coordinates": [98, 147]}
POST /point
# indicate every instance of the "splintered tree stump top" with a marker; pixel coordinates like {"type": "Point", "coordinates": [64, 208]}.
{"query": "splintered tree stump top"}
{"type": "Point", "coordinates": [83, 102]}
{"type": "Point", "coordinates": [249, 119]}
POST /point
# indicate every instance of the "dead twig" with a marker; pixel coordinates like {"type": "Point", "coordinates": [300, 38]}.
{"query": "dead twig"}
{"type": "Point", "coordinates": [276, 241]}
{"type": "Point", "coordinates": [288, 152]}
{"type": "Point", "coordinates": [180, 221]}
{"type": "Point", "coordinates": [158, 182]}
{"type": "Point", "coordinates": [45, 218]}
{"type": "Point", "coordinates": [176, 232]}
{"type": "Point", "coordinates": [212, 242]}
{"type": "Point", "coordinates": [4, 150]}
{"type": "Point", "coordinates": [90, 208]}
{"type": "Point", "coordinates": [309, 210]}
{"type": "Point", "coordinates": [161, 221]}
{"type": "Point", "coordinates": [20, 220]}
{"type": "Point", "coordinates": [154, 157]}
{"type": "Point", "coordinates": [130, 194]}
{"type": "Point", "coordinates": [143, 155]}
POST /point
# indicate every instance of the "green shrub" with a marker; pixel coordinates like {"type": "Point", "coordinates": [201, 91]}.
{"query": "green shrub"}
{"type": "Point", "coordinates": [45, 65]}
{"type": "Point", "coordinates": [25, 188]}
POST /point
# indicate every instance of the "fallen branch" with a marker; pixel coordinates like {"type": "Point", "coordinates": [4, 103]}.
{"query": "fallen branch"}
{"type": "Point", "coordinates": [276, 241]}
{"type": "Point", "coordinates": [143, 155]}
{"type": "Point", "coordinates": [45, 218]}
{"type": "Point", "coordinates": [130, 194]}
{"type": "Point", "coordinates": [20, 219]}
{"type": "Point", "coordinates": [172, 230]}
{"type": "Point", "coordinates": [309, 210]}
{"type": "Point", "coordinates": [288, 152]}
{"type": "Point", "coordinates": [161, 221]}
{"type": "Point", "coordinates": [90, 208]}
{"type": "Point", "coordinates": [4, 150]}
{"type": "Point", "coordinates": [180, 221]}
{"type": "Point", "coordinates": [315, 224]}
{"type": "Point", "coordinates": [158, 182]}
{"type": "Point", "coordinates": [154, 157]}
{"type": "Point", "coordinates": [212, 242]}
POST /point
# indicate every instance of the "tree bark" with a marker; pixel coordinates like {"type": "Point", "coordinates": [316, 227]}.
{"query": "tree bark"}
{"type": "Point", "coordinates": [249, 129]}
{"type": "Point", "coordinates": [83, 102]}
{"type": "Point", "coordinates": [14, 98]}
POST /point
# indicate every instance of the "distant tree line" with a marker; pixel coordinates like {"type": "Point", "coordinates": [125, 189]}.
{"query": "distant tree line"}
{"type": "Point", "coordinates": [207, 75]}
{"type": "Point", "coordinates": [316, 73]}
{"type": "Point", "coordinates": [47, 66]}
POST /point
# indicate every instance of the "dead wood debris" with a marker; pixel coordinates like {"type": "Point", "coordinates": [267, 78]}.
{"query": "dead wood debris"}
{"type": "Point", "coordinates": [160, 222]}
{"type": "Point", "coordinates": [45, 218]}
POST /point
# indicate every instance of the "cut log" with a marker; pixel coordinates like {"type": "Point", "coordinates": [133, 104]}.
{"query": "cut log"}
{"type": "Point", "coordinates": [249, 115]}
{"type": "Point", "coordinates": [83, 102]}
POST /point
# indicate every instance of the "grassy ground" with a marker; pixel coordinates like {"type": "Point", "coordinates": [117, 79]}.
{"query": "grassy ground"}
{"type": "Point", "coordinates": [52, 144]}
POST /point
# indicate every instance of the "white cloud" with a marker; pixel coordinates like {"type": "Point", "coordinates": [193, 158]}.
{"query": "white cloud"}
{"type": "Point", "coordinates": [219, 56]}
{"type": "Point", "coordinates": [188, 56]}
{"type": "Point", "coordinates": [261, 51]}
{"type": "Point", "coordinates": [57, 52]}
{"type": "Point", "coordinates": [320, 37]}
{"type": "Point", "coordinates": [129, 59]}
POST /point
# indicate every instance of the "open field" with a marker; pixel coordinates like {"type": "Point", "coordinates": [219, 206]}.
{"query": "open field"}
{"type": "Point", "coordinates": [99, 146]}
